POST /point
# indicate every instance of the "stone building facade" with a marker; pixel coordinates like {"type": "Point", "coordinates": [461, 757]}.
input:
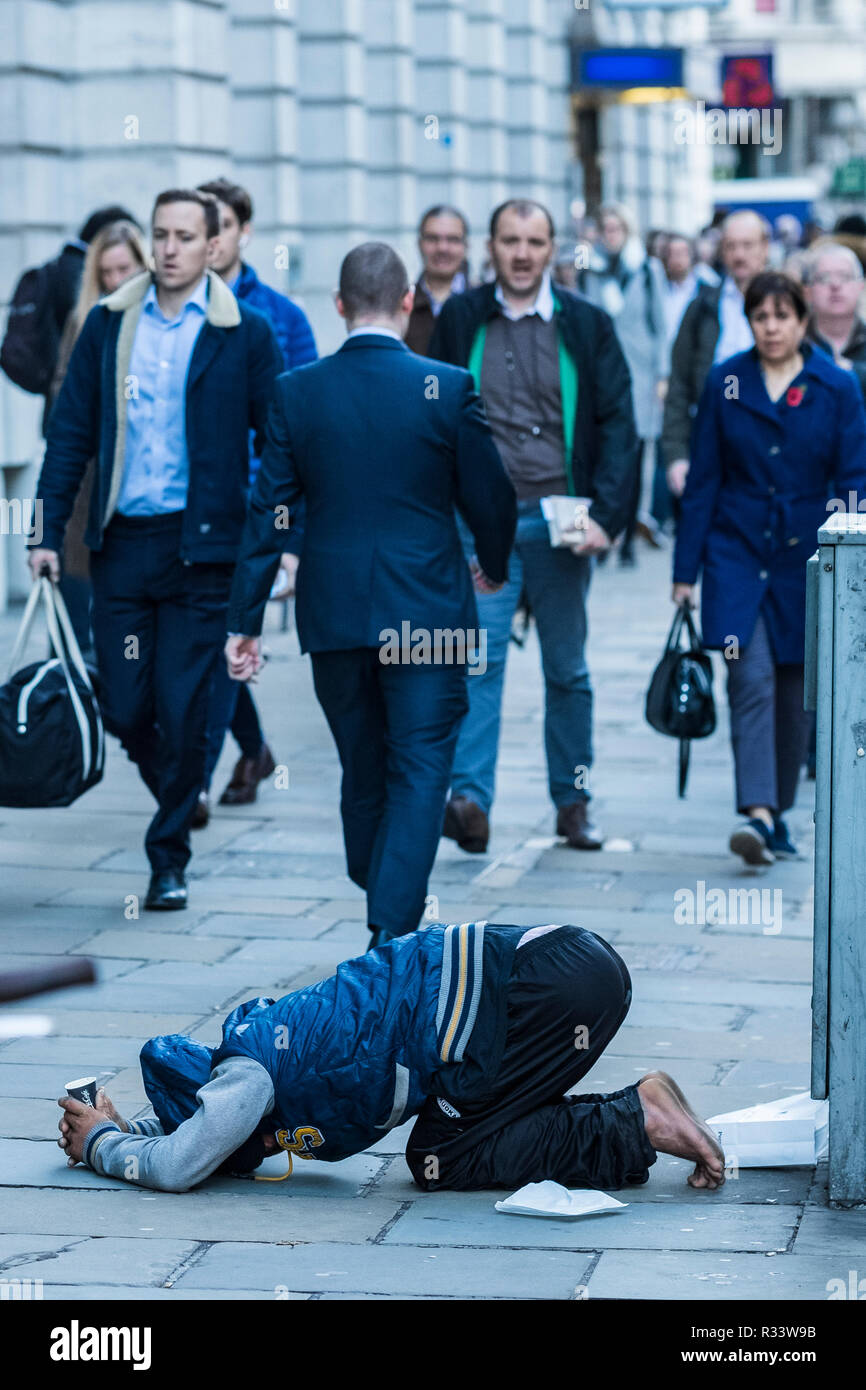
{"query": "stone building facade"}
{"type": "Point", "coordinates": [345, 118]}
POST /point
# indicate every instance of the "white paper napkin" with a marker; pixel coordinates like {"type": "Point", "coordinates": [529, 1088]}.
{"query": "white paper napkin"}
{"type": "Point", "coordinates": [552, 1199]}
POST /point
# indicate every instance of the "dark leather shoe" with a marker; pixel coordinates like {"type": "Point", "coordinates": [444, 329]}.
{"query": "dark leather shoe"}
{"type": "Point", "coordinates": [167, 891]}
{"type": "Point", "coordinates": [574, 823]}
{"type": "Point", "coordinates": [242, 788]}
{"type": "Point", "coordinates": [466, 823]}
{"type": "Point", "coordinates": [379, 937]}
{"type": "Point", "coordinates": [201, 814]}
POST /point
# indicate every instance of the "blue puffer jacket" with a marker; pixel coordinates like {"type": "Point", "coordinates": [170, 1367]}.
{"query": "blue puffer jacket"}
{"type": "Point", "coordinates": [289, 322]}
{"type": "Point", "coordinates": [354, 1055]}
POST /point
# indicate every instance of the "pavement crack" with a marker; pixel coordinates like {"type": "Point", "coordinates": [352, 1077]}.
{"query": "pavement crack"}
{"type": "Point", "coordinates": [389, 1225]}
{"type": "Point", "coordinates": [189, 1262]}
{"type": "Point", "coordinates": [744, 1013]}
{"type": "Point", "coordinates": [372, 1183]}
{"type": "Point", "coordinates": [587, 1275]}
{"type": "Point", "coordinates": [723, 1069]}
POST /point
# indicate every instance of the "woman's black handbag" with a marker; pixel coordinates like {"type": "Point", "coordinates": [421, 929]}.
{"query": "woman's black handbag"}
{"type": "Point", "coordinates": [679, 701]}
{"type": "Point", "coordinates": [52, 744]}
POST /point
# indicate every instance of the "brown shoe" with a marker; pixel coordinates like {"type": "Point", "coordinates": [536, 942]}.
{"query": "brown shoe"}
{"type": "Point", "coordinates": [201, 814]}
{"type": "Point", "coordinates": [242, 789]}
{"type": "Point", "coordinates": [466, 823]}
{"type": "Point", "coordinates": [574, 823]}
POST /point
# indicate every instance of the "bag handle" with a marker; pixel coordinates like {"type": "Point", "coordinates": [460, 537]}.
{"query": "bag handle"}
{"type": "Point", "coordinates": [55, 600]}
{"type": "Point", "coordinates": [694, 635]}
{"type": "Point", "coordinates": [683, 617]}
{"type": "Point", "coordinates": [58, 642]}
{"type": "Point", "coordinates": [673, 642]}
{"type": "Point", "coordinates": [24, 630]}
{"type": "Point", "coordinates": [57, 618]}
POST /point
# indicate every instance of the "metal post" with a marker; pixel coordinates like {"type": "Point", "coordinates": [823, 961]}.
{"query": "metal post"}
{"type": "Point", "coordinates": [836, 671]}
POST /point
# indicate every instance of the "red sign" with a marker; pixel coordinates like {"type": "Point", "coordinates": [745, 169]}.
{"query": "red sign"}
{"type": "Point", "coordinates": [747, 81]}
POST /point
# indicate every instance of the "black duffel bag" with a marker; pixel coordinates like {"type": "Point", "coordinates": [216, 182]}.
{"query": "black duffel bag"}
{"type": "Point", "coordinates": [52, 743]}
{"type": "Point", "coordinates": [679, 700]}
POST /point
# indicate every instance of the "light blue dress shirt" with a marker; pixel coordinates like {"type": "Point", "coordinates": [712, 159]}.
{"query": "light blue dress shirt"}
{"type": "Point", "coordinates": [735, 335]}
{"type": "Point", "coordinates": [156, 463]}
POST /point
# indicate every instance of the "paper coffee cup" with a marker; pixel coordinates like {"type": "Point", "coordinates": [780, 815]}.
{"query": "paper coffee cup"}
{"type": "Point", "coordinates": [84, 1089]}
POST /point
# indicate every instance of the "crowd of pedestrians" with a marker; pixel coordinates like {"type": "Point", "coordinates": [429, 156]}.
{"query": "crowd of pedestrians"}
{"type": "Point", "coordinates": [199, 458]}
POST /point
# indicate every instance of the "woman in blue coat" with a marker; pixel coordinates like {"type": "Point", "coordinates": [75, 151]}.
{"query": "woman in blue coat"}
{"type": "Point", "coordinates": [780, 431]}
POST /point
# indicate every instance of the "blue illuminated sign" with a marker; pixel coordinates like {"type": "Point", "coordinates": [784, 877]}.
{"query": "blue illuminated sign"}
{"type": "Point", "coordinates": [627, 67]}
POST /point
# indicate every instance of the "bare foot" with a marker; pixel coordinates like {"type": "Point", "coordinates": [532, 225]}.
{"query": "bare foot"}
{"type": "Point", "coordinates": [672, 1127]}
{"type": "Point", "coordinates": [106, 1108]}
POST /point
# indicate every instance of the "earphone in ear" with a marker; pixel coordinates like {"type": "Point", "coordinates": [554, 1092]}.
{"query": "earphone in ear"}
{"type": "Point", "coordinates": [243, 241]}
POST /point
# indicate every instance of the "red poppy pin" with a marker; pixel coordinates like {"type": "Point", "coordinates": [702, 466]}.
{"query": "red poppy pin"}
{"type": "Point", "coordinates": [795, 395]}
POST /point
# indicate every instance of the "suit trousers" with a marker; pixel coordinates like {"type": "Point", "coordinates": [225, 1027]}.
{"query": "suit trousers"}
{"type": "Point", "coordinates": [159, 628]}
{"type": "Point", "coordinates": [567, 996]}
{"type": "Point", "coordinates": [395, 727]}
{"type": "Point", "coordinates": [769, 727]}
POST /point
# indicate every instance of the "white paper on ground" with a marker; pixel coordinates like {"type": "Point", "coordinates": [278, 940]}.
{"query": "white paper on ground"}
{"type": "Point", "coordinates": [552, 1199]}
{"type": "Point", "coordinates": [787, 1133]}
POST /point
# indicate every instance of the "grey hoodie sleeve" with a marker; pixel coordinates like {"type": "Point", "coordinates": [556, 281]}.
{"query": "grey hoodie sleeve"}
{"type": "Point", "coordinates": [230, 1106]}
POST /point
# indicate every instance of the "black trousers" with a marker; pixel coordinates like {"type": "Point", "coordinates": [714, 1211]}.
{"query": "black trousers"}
{"type": "Point", "coordinates": [159, 627]}
{"type": "Point", "coordinates": [395, 727]}
{"type": "Point", "coordinates": [568, 994]}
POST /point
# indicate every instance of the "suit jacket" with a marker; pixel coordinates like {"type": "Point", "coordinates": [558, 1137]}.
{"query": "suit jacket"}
{"type": "Point", "coordinates": [229, 384]}
{"type": "Point", "coordinates": [603, 443]}
{"type": "Point", "coordinates": [762, 478]}
{"type": "Point", "coordinates": [382, 445]}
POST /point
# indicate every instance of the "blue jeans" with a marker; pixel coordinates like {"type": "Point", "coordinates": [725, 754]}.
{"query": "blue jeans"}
{"type": "Point", "coordinates": [556, 583]}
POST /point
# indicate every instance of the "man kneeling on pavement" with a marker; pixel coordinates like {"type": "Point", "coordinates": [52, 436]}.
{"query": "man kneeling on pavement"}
{"type": "Point", "coordinates": [477, 1029]}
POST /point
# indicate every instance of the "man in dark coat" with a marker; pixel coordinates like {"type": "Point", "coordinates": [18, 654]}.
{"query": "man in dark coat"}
{"type": "Point", "coordinates": [556, 388]}
{"type": "Point", "coordinates": [381, 445]}
{"type": "Point", "coordinates": [167, 378]}
{"type": "Point", "coordinates": [443, 235]}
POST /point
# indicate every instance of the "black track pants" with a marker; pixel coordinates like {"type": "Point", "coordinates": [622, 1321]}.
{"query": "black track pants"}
{"type": "Point", "coordinates": [567, 997]}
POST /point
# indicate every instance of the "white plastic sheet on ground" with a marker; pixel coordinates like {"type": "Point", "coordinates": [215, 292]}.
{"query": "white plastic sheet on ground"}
{"type": "Point", "coordinates": [786, 1133]}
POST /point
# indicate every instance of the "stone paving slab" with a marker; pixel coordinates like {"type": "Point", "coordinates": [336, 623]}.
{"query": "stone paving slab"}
{"type": "Point", "coordinates": [656, 1043]}
{"type": "Point", "coordinates": [101, 1293]}
{"type": "Point", "coordinates": [156, 945]}
{"type": "Point", "coordinates": [42, 1082]}
{"type": "Point", "coordinates": [753, 994]}
{"type": "Point", "coordinates": [108, 1260]}
{"type": "Point", "coordinates": [24, 1118]}
{"type": "Point", "coordinates": [666, 1226]}
{"type": "Point", "coordinates": [197, 995]}
{"type": "Point", "coordinates": [842, 1232]}
{"type": "Point", "coordinates": [709, 1277]}
{"type": "Point", "coordinates": [286, 926]}
{"type": "Point", "coordinates": [389, 1269]}
{"type": "Point", "coordinates": [34, 1165]}
{"type": "Point", "coordinates": [247, 1212]}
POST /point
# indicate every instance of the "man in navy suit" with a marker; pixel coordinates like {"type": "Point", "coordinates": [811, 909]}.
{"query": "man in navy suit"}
{"type": "Point", "coordinates": [382, 445]}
